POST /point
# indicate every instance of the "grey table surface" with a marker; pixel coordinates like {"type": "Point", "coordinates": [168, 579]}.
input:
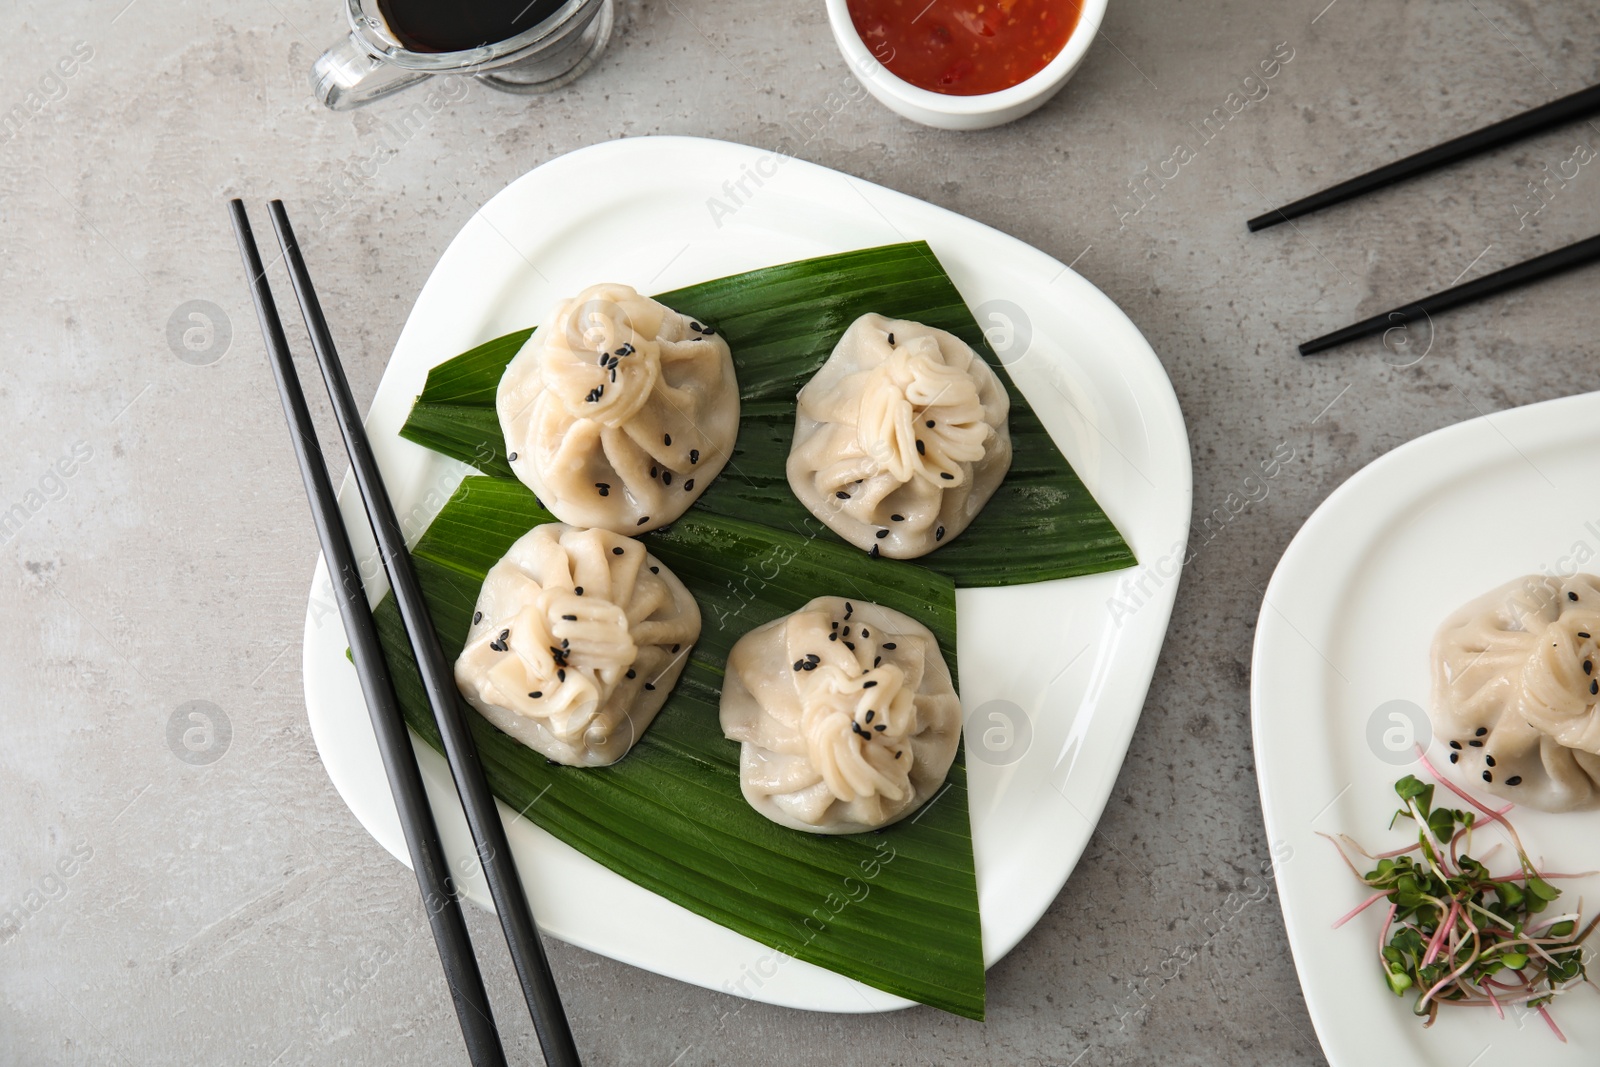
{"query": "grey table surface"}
{"type": "Point", "coordinates": [235, 912]}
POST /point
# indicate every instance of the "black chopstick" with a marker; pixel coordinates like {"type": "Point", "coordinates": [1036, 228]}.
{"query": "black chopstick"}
{"type": "Point", "coordinates": [394, 742]}
{"type": "Point", "coordinates": [1562, 259]}
{"type": "Point", "coordinates": [488, 832]}
{"type": "Point", "coordinates": [1568, 108]}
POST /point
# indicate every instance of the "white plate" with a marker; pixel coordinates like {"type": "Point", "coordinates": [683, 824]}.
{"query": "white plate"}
{"type": "Point", "coordinates": [1346, 628]}
{"type": "Point", "coordinates": [663, 212]}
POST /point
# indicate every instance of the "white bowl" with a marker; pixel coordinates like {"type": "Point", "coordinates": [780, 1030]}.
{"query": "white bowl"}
{"type": "Point", "coordinates": [964, 112]}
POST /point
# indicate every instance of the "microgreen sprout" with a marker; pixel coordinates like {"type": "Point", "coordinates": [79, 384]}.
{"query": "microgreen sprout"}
{"type": "Point", "coordinates": [1456, 934]}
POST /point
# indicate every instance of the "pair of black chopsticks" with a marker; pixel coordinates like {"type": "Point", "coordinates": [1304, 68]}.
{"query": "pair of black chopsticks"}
{"type": "Point", "coordinates": [394, 743]}
{"type": "Point", "coordinates": [1579, 105]}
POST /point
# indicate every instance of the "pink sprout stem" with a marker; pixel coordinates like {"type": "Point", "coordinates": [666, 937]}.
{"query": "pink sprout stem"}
{"type": "Point", "coordinates": [1439, 934]}
{"type": "Point", "coordinates": [1359, 908]}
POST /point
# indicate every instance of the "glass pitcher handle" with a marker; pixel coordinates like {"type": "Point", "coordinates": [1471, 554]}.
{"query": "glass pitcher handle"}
{"type": "Point", "coordinates": [348, 75]}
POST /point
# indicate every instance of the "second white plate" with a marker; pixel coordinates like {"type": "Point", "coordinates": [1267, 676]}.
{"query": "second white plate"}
{"type": "Point", "coordinates": [1073, 657]}
{"type": "Point", "coordinates": [1344, 634]}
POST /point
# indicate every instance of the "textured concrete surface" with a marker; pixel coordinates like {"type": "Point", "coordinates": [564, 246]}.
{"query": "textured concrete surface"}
{"type": "Point", "coordinates": [234, 912]}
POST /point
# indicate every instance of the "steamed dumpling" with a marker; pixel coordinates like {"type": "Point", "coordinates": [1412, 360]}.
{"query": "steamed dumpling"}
{"type": "Point", "coordinates": [1516, 691]}
{"type": "Point", "coordinates": [577, 638]}
{"type": "Point", "coordinates": [846, 716]}
{"type": "Point", "coordinates": [900, 438]}
{"type": "Point", "coordinates": [619, 411]}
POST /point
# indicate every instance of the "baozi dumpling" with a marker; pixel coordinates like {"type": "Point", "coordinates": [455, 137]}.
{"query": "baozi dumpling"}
{"type": "Point", "coordinates": [845, 713]}
{"type": "Point", "coordinates": [577, 638]}
{"type": "Point", "coordinates": [619, 411]}
{"type": "Point", "coordinates": [1516, 691]}
{"type": "Point", "coordinates": [900, 438]}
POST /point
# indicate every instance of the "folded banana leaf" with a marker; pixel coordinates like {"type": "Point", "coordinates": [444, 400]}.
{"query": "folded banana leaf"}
{"type": "Point", "coordinates": [897, 909]}
{"type": "Point", "coordinates": [781, 323]}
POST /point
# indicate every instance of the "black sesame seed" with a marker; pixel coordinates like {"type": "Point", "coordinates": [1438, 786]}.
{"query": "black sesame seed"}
{"type": "Point", "coordinates": [1515, 779]}
{"type": "Point", "coordinates": [536, 694]}
{"type": "Point", "coordinates": [1594, 688]}
{"type": "Point", "coordinates": [947, 476]}
{"type": "Point", "coordinates": [897, 518]}
{"type": "Point", "coordinates": [799, 664]}
{"type": "Point", "coordinates": [477, 616]}
{"type": "Point", "coordinates": [1455, 744]}
{"type": "Point", "coordinates": [847, 631]}
{"type": "Point", "coordinates": [1454, 756]}
{"type": "Point", "coordinates": [874, 553]}
{"type": "Point", "coordinates": [688, 486]}
{"type": "Point", "coordinates": [617, 551]}
{"type": "Point", "coordinates": [578, 590]}
{"type": "Point", "coordinates": [1572, 596]}
{"type": "Point", "coordinates": [650, 686]}
{"type": "Point", "coordinates": [890, 645]}
{"type": "Point", "coordinates": [870, 714]}
{"type": "Point", "coordinates": [513, 456]}
{"type": "Point", "coordinates": [1488, 761]}
{"type": "Point", "coordinates": [868, 685]}
{"type": "Point", "coordinates": [881, 727]}
{"type": "Point", "coordinates": [811, 666]}
{"type": "Point", "coordinates": [642, 521]}
{"type": "Point", "coordinates": [929, 424]}
{"type": "Point", "coordinates": [938, 535]}
{"type": "Point", "coordinates": [1488, 776]}
{"type": "Point", "coordinates": [694, 455]}
{"type": "Point", "coordinates": [655, 570]}
{"type": "Point", "coordinates": [1588, 666]}
{"type": "Point", "coordinates": [897, 755]}
{"type": "Point", "coordinates": [865, 632]}
{"type": "Point", "coordinates": [632, 673]}
{"type": "Point", "coordinates": [1475, 744]}
{"type": "Point", "coordinates": [881, 534]}
{"type": "Point", "coordinates": [848, 645]}
{"type": "Point", "coordinates": [676, 647]}
{"type": "Point", "coordinates": [842, 495]}
{"type": "Point", "coordinates": [836, 624]}
{"type": "Point", "coordinates": [561, 674]}
{"type": "Point", "coordinates": [666, 438]}
{"type": "Point", "coordinates": [655, 472]}
{"type": "Point", "coordinates": [666, 477]}
{"type": "Point", "coordinates": [849, 609]}
{"type": "Point", "coordinates": [922, 449]}
{"type": "Point", "coordinates": [1583, 635]}
{"type": "Point", "coordinates": [891, 340]}
{"type": "Point", "coordinates": [876, 660]}
{"type": "Point", "coordinates": [833, 637]}
{"type": "Point", "coordinates": [813, 657]}
{"type": "Point", "coordinates": [570, 618]}
{"type": "Point", "coordinates": [1480, 731]}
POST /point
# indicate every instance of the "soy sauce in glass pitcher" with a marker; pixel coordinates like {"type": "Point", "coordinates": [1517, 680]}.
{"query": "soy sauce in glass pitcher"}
{"type": "Point", "coordinates": [515, 46]}
{"type": "Point", "coordinates": [432, 26]}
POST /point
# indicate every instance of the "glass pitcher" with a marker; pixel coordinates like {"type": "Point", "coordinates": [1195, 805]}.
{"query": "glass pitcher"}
{"type": "Point", "coordinates": [371, 62]}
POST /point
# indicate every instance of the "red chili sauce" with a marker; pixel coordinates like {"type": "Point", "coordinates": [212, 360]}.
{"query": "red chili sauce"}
{"type": "Point", "coordinates": [965, 47]}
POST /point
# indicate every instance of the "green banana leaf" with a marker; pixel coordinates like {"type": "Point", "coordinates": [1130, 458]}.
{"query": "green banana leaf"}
{"type": "Point", "coordinates": [781, 323]}
{"type": "Point", "coordinates": [896, 909]}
